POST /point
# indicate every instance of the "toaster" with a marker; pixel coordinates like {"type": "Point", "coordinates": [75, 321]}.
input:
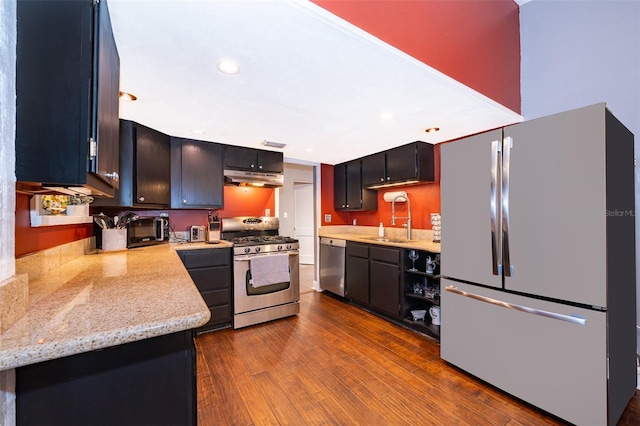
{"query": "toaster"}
{"type": "Point", "coordinates": [197, 233]}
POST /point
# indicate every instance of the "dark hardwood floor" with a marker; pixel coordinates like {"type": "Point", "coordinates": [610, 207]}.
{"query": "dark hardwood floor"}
{"type": "Point", "coordinates": [335, 364]}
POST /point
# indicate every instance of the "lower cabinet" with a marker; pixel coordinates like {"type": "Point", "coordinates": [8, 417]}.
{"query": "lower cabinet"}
{"type": "Point", "coordinates": [384, 281]}
{"type": "Point", "coordinates": [393, 282]}
{"type": "Point", "coordinates": [357, 272]}
{"type": "Point", "coordinates": [148, 382]}
{"type": "Point", "coordinates": [373, 277]}
{"type": "Point", "coordinates": [210, 270]}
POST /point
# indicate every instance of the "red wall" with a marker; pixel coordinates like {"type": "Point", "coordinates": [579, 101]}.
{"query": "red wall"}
{"type": "Point", "coordinates": [425, 199]}
{"type": "Point", "coordinates": [30, 239]}
{"type": "Point", "coordinates": [238, 202]}
{"type": "Point", "coordinates": [475, 42]}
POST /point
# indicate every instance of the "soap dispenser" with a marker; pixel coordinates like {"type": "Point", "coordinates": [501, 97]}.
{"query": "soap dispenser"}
{"type": "Point", "coordinates": [381, 230]}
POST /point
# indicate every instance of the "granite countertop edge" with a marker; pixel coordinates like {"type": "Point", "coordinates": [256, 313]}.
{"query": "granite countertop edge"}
{"type": "Point", "coordinates": [106, 299]}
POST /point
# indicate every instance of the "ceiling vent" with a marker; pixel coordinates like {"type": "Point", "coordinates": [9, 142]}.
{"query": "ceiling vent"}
{"type": "Point", "coordinates": [273, 144]}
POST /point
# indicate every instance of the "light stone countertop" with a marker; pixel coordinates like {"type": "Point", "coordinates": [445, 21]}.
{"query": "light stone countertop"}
{"type": "Point", "coordinates": [101, 300]}
{"type": "Point", "coordinates": [421, 239]}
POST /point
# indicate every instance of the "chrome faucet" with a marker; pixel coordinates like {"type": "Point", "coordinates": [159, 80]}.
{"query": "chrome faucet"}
{"type": "Point", "coordinates": [407, 224]}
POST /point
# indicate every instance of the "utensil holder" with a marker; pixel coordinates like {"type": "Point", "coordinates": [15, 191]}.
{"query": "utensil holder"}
{"type": "Point", "coordinates": [114, 239]}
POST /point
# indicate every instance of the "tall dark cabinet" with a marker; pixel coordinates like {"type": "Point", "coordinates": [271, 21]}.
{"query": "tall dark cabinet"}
{"type": "Point", "coordinates": [348, 193]}
{"type": "Point", "coordinates": [196, 174]}
{"type": "Point", "coordinates": [145, 169]}
{"type": "Point", "coordinates": [67, 83]}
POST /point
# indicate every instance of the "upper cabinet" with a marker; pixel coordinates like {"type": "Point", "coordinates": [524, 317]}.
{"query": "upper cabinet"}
{"type": "Point", "coordinates": [145, 166]}
{"type": "Point", "coordinates": [410, 163]}
{"type": "Point", "coordinates": [196, 174]}
{"type": "Point", "coordinates": [258, 160]}
{"type": "Point", "coordinates": [348, 191]}
{"type": "Point", "coordinates": [67, 83]}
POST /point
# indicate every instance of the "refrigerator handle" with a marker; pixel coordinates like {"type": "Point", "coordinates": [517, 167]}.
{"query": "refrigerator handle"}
{"type": "Point", "coordinates": [496, 166]}
{"type": "Point", "coordinates": [574, 319]}
{"type": "Point", "coordinates": [507, 144]}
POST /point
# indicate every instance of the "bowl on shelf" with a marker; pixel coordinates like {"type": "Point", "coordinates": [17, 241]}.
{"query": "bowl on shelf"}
{"type": "Point", "coordinates": [418, 315]}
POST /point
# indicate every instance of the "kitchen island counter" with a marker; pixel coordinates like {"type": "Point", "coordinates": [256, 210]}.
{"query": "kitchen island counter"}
{"type": "Point", "coordinates": [102, 300]}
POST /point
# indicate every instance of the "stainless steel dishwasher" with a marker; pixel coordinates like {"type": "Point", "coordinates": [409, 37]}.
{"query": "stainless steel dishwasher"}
{"type": "Point", "coordinates": [332, 258]}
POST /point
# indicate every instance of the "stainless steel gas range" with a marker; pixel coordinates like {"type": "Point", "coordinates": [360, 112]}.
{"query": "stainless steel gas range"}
{"type": "Point", "coordinates": [266, 277]}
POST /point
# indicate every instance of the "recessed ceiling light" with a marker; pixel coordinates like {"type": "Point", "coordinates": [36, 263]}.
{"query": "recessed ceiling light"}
{"type": "Point", "coordinates": [387, 115]}
{"type": "Point", "coordinates": [198, 131]}
{"type": "Point", "coordinates": [432, 129]}
{"type": "Point", "coordinates": [228, 67]}
{"type": "Point", "coordinates": [128, 96]}
{"type": "Point", "coordinates": [309, 150]}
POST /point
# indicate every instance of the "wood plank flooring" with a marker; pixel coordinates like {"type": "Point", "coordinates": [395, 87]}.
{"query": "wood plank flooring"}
{"type": "Point", "coordinates": [335, 364]}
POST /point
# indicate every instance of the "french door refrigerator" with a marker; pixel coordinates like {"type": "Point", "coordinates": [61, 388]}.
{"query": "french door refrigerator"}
{"type": "Point", "coordinates": [538, 262]}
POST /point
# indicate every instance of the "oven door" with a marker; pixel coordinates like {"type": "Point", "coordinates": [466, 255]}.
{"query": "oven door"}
{"type": "Point", "coordinates": [247, 298]}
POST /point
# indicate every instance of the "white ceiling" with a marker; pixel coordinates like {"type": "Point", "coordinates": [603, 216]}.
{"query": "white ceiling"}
{"type": "Point", "coordinates": [308, 79]}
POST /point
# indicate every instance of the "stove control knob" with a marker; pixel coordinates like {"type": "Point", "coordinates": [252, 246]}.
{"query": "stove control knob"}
{"type": "Point", "coordinates": [279, 247]}
{"type": "Point", "coordinates": [247, 250]}
{"type": "Point", "coordinates": [288, 246]}
{"type": "Point", "coordinates": [257, 249]}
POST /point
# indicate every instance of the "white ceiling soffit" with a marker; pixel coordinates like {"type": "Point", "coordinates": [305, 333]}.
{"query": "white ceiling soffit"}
{"type": "Point", "coordinates": [308, 79]}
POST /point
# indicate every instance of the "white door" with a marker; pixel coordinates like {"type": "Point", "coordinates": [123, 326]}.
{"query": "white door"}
{"type": "Point", "coordinates": [303, 221]}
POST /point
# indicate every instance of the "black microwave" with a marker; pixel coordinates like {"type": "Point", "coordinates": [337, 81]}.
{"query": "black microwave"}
{"type": "Point", "coordinates": [147, 230]}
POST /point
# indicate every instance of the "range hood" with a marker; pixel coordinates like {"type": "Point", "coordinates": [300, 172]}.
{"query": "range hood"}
{"type": "Point", "coordinates": [257, 179]}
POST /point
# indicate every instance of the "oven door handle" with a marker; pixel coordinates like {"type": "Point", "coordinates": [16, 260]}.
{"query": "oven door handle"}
{"type": "Point", "coordinates": [238, 258]}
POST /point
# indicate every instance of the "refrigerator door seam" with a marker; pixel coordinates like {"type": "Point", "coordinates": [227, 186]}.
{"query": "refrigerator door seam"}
{"type": "Point", "coordinates": [579, 320]}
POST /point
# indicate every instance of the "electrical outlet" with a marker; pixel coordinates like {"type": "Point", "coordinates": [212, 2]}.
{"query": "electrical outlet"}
{"type": "Point", "coordinates": [327, 218]}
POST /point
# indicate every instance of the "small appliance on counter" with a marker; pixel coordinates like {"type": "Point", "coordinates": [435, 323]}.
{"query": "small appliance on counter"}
{"type": "Point", "coordinates": [197, 233]}
{"type": "Point", "coordinates": [147, 231]}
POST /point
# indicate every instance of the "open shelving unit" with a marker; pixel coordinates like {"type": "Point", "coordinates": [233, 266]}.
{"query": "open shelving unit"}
{"type": "Point", "coordinates": [421, 290]}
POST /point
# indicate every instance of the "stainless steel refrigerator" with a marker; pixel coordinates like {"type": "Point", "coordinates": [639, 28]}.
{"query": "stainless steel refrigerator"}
{"type": "Point", "coordinates": [538, 262]}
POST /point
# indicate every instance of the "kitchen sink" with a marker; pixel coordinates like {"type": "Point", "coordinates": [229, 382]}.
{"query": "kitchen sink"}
{"type": "Point", "coordinates": [389, 240]}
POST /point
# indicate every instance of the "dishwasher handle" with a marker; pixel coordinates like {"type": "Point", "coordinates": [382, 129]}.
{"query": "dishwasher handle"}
{"type": "Point", "coordinates": [332, 242]}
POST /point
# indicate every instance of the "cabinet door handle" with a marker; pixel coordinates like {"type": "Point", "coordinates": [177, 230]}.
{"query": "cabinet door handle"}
{"type": "Point", "coordinates": [388, 178]}
{"type": "Point", "coordinates": [260, 167]}
{"type": "Point", "coordinates": [184, 201]}
{"type": "Point", "coordinates": [141, 198]}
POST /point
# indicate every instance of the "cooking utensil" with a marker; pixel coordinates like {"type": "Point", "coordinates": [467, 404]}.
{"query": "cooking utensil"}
{"type": "Point", "coordinates": [100, 222]}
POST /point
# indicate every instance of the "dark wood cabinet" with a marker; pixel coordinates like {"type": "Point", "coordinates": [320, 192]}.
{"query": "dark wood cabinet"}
{"type": "Point", "coordinates": [242, 158]}
{"type": "Point", "coordinates": [348, 192]}
{"type": "Point", "coordinates": [413, 162]}
{"type": "Point", "coordinates": [373, 169]}
{"type": "Point", "coordinates": [210, 270]}
{"type": "Point", "coordinates": [384, 282]}
{"type": "Point", "coordinates": [67, 84]}
{"type": "Point", "coordinates": [196, 174]}
{"type": "Point", "coordinates": [145, 169]}
{"type": "Point", "coordinates": [357, 272]}
{"type": "Point", "coordinates": [148, 382]}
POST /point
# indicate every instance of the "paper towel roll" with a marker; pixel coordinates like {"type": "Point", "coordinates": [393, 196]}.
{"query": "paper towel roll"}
{"type": "Point", "coordinates": [390, 196]}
